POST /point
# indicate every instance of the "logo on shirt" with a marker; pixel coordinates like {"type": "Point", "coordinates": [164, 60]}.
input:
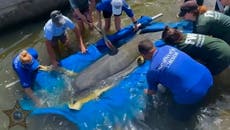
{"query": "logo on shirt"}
{"type": "Point", "coordinates": [195, 39]}
{"type": "Point", "coordinates": [212, 14]}
{"type": "Point", "coordinates": [168, 59]}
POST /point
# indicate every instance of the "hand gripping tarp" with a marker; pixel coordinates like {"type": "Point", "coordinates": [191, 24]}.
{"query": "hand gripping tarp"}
{"type": "Point", "coordinates": [52, 83]}
{"type": "Point", "coordinates": [114, 104]}
{"type": "Point", "coordinates": [118, 105]}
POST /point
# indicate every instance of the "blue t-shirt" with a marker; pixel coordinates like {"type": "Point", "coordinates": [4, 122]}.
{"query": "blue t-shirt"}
{"type": "Point", "coordinates": [105, 5]}
{"type": "Point", "coordinates": [51, 30]}
{"type": "Point", "coordinates": [26, 73]}
{"type": "Point", "coordinates": [187, 79]}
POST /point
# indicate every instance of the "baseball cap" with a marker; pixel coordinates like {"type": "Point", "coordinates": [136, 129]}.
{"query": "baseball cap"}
{"type": "Point", "coordinates": [187, 7]}
{"type": "Point", "coordinates": [116, 6]}
{"type": "Point", "coordinates": [32, 52]}
{"type": "Point", "coordinates": [28, 61]}
{"type": "Point", "coordinates": [57, 17]}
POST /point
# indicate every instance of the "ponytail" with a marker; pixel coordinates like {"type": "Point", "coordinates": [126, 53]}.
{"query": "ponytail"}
{"type": "Point", "coordinates": [202, 9]}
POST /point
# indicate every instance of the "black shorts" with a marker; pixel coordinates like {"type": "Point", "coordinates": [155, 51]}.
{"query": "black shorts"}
{"type": "Point", "coordinates": [109, 14]}
{"type": "Point", "coordinates": [85, 12]}
{"type": "Point", "coordinates": [55, 39]}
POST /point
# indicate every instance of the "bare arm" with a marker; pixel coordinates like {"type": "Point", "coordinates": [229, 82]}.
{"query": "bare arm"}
{"type": "Point", "coordinates": [92, 5]}
{"type": "Point", "coordinates": [51, 53]}
{"type": "Point", "coordinates": [152, 82]}
{"type": "Point", "coordinates": [133, 19]}
{"type": "Point", "coordinates": [134, 22]}
{"type": "Point", "coordinates": [99, 19]}
{"type": "Point", "coordinates": [78, 13]}
{"type": "Point", "coordinates": [78, 35]}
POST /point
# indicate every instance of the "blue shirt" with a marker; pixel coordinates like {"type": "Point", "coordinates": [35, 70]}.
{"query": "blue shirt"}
{"type": "Point", "coordinates": [25, 73]}
{"type": "Point", "coordinates": [51, 30]}
{"type": "Point", "coordinates": [187, 79]}
{"type": "Point", "coordinates": [105, 5]}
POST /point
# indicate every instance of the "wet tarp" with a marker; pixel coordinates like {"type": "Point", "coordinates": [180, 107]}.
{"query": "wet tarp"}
{"type": "Point", "coordinates": [118, 104]}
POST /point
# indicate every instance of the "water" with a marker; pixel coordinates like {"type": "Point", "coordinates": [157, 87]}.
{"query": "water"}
{"type": "Point", "coordinates": [215, 115]}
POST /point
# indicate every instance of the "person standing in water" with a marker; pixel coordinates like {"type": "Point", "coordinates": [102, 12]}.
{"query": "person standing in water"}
{"type": "Point", "coordinates": [55, 30]}
{"type": "Point", "coordinates": [114, 7]}
{"type": "Point", "coordinates": [174, 70]}
{"type": "Point", "coordinates": [26, 65]}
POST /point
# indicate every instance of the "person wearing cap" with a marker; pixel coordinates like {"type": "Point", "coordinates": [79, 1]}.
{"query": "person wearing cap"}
{"type": "Point", "coordinates": [174, 70]}
{"type": "Point", "coordinates": [214, 53]}
{"type": "Point", "coordinates": [223, 6]}
{"type": "Point", "coordinates": [55, 30]}
{"type": "Point", "coordinates": [26, 65]}
{"type": "Point", "coordinates": [209, 23]}
{"type": "Point", "coordinates": [114, 7]}
{"type": "Point", "coordinates": [82, 11]}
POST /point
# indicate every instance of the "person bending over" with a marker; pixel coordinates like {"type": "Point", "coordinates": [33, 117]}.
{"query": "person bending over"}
{"type": "Point", "coordinates": [214, 53]}
{"type": "Point", "coordinates": [209, 22]}
{"type": "Point", "coordinates": [187, 80]}
{"type": "Point", "coordinates": [55, 30]}
{"type": "Point", "coordinates": [26, 65]}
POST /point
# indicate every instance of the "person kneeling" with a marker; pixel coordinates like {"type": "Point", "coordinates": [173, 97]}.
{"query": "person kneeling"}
{"type": "Point", "coordinates": [187, 80]}
{"type": "Point", "coordinates": [26, 65]}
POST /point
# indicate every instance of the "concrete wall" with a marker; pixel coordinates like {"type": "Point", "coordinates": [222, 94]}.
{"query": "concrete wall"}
{"type": "Point", "coordinates": [15, 11]}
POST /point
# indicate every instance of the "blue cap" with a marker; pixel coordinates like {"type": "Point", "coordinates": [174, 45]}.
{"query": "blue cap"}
{"type": "Point", "coordinates": [33, 52]}
{"type": "Point", "coordinates": [35, 64]}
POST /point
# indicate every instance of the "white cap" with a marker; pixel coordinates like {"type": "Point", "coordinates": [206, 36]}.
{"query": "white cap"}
{"type": "Point", "coordinates": [117, 7]}
{"type": "Point", "coordinates": [57, 17]}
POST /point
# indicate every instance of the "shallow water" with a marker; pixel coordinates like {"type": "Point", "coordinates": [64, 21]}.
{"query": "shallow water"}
{"type": "Point", "coordinates": [215, 115]}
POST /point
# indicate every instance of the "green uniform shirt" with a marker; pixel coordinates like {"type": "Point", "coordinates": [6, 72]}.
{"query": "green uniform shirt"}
{"type": "Point", "coordinates": [213, 52]}
{"type": "Point", "coordinates": [227, 10]}
{"type": "Point", "coordinates": [215, 24]}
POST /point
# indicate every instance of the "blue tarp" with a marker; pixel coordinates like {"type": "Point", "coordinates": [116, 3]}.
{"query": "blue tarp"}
{"type": "Point", "coordinates": [122, 101]}
{"type": "Point", "coordinates": [183, 25]}
{"type": "Point", "coordinates": [117, 105]}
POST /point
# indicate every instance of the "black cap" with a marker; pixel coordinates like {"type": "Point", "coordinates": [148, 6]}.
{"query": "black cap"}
{"type": "Point", "coordinates": [57, 17]}
{"type": "Point", "coordinates": [187, 6]}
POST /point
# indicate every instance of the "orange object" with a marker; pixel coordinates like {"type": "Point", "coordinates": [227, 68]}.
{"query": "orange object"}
{"type": "Point", "coordinates": [25, 57]}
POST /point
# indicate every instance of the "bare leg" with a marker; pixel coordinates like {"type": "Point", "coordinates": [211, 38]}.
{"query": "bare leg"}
{"type": "Point", "coordinates": [107, 24]}
{"type": "Point", "coordinates": [80, 25]}
{"type": "Point", "coordinates": [66, 42]}
{"type": "Point", "coordinates": [117, 21]}
{"type": "Point", "coordinates": [57, 50]}
{"type": "Point", "coordinates": [89, 19]}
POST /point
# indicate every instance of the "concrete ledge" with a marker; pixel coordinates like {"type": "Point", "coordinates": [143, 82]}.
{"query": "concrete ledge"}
{"type": "Point", "coordinates": [15, 11]}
